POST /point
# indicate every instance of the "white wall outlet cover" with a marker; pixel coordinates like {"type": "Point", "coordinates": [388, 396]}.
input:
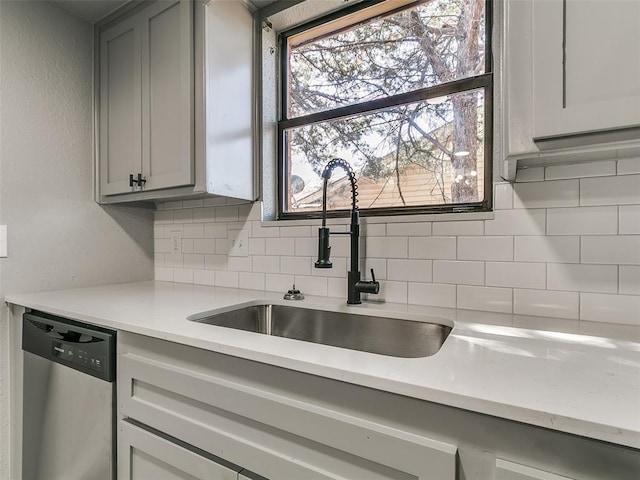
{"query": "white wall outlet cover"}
{"type": "Point", "coordinates": [3, 241]}
{"type": "Point", "coordinates": [238, 243]}
{"type": "Point", "coordinates": [176, 242]}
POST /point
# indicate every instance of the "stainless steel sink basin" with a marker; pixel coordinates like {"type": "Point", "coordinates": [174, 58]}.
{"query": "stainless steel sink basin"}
{"type": "Point", "coordinates": [381, 335]}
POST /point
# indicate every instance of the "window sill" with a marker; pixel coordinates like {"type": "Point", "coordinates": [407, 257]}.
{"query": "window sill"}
{"type": "Point", "coordinates": [440, 217]}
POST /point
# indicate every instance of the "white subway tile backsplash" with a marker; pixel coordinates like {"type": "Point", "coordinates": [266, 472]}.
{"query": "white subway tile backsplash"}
{"type": "Point", "coordinates": [432, 294]}
{"type": "Point", "coordinates": [629, 219]}
{"type": "Point", "coordinates": [386, 247]}
{"type": "Point", "coordinates": [162, 245]}
{"type": "Point", "coordinates": [173, 260]}
{"type": "Point", "coordinates": [250, 211]}
{"type": "Point", "coordinates": [306, 246]}
{"type": "Point", "coordinates": [409, 270]}
{"type": "Point", "coordinates": [222, 246]}
{"type": "Point", "coordinates": [581, 170]}
{"type": "Point", "coordinates": [297, 231]}
{"type": "Point", "coordinates": [215, 230]}
{"type": "Point", "coordinates": [163, 274]}
{"type": "Point", "coordinates": [546, 303]}
{"type": "Point", "coordinates": [582, 278]}
{"type": "Point", "coordinates": [582, 221]}
{"type": "Point", "coordinates": [516, 274]}
{"type": "Point", "coordinates": [198, 202]}
{"type": "Point", "coordinates": [541, 254]}
{"type": "Point", "coordinates": [227, 213]}
{"type": "Point", "coordinates": [187, 245]}
{"type": "Point", "coordinates": [395, 292]}
{"type": "Point", "coordinates": [193, 230]}
{"type": "Point", "coordinates": [373, 229]}
{"type": "Point", "coordinates": [275, 282]}
{"type": "Point", "coordinates": [251, 281]}
{"type": "Point", "coordinates": [618, 190]}
{"type": "Point", "coordinates": [629, 280]}
{"type": "Point", "coordinates": [226, 279]}
{"type": "Point", "coordinates": [257, 246]}
{"type": "Point", "coordinates": [239, 264]}
{"type": "Point", "coordinates": [485, 248]}
{"type": "Point", "coordinates": [469, 227]}
{"type": "Point", "coordinates": [204, 277]}
{"type": "Point", "coordinates": [458, 272]}
{"type": "Point", "coordinates": [557, 193]}
{"type": "Point", "coordinates": [432, 247]}
{"type": "Point", "coordinates": [280, 246]}
{"type": "Point", "coordinates": [215, 262]}
{"type": "Point", "coordinates": [311, 285]}
{"type": "Point", "coordinates": [560, 249]}
{"type": "Point", "coordinates": [610, 308]}
{"type": "Point", "coordinates": [172, 205]}
{"type": "Point", "coordinates": [193, 261]}
{"type": "Point", "coordinates": [183, 216]}
{"type": "Point", "coordinates": [628, 166]}
{"type": "Point", "coordinates": [296, 265]}
{"type": "Point", "coordinates": [257, 230]}
{"type": "Point", "coordinates": [618, 249]}
{"type": "Point", "coordinates": [488, 299]}
{"type": "Point", "coordinates": [503, 197]}
{"type": "Point", "coordinates": [266, 264]}
{"type": "Point", "coordinates": [203, 215]}
{"type": "Point", "coordinates": [183, 275]}
{"type": "Point", "coordinates": [517, 222]}
{"type": "Point", "coordinates": [379, 266]}
{"type": "Point", "coordinates": [336, 287]}
{"type": "Point", "coordinates": [163, 216]}
{"type": "Point", "coordinates": [422, 229]}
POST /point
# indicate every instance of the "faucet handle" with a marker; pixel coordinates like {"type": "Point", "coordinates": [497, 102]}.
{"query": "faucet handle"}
{"type": "Point", "coordinates": [373, 277]}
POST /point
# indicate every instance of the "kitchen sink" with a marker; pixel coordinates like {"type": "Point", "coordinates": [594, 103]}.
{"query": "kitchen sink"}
{"type": "Point", "coordinates": [382, 335]}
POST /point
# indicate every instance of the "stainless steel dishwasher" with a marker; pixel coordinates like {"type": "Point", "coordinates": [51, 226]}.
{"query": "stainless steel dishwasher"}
{"type": "Point", "coordinates": [68, 400]}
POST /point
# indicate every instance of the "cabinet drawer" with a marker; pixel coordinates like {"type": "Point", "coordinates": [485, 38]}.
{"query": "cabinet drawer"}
{"type": "Point", "coordinates": [506, 470]}
{"type": "Point", "coordinates": [272, 435]}
{"type": "Point", "coordinates": [143, 456]}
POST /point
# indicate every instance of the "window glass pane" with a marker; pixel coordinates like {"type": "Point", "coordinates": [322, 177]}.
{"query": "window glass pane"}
{"type": "Point", "coordinates": [418, 154]}
{"type": "Point", "coordinates": [435, 42]}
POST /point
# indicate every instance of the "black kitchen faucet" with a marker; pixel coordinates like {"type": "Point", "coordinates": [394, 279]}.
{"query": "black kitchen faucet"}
{"type": "Point", "coordinates": [355, 286]}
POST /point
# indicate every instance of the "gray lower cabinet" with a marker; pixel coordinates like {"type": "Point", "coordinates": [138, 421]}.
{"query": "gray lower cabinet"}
{"type": "Point", "coordinates": [506, 470]}
{"type": "Point", "coordinates": [283, 425]}
{"type": "Point", "coordinates": [143, 455]}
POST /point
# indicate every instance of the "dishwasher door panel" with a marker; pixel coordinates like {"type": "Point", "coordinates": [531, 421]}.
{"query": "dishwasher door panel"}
{"type": "Point", "coordinates": [68, 429]}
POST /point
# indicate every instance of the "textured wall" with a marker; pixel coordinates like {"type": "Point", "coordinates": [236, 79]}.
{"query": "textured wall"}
{"type": "Point", "coordinates": [58, 236]}
{"type": "Point", "coordinates": [565, 242]}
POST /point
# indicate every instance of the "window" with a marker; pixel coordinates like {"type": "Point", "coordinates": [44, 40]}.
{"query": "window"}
{"type": "Point", "coordinates": [400, 89]}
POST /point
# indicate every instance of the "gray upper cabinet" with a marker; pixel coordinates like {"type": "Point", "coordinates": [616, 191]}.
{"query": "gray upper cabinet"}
{"type": "Point", "coordinates": [586, 66]}
{"type": "Point", "coordinates": [570, 81]}
{"type": "Point", "coordinates": [175, 104]}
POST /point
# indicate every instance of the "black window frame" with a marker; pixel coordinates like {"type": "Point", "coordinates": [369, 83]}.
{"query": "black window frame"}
{"type": "Point", "coordinates": [484, 81]}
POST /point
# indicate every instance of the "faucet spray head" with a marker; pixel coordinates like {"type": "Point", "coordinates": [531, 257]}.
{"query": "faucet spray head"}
{"type": "Point", "coordinates": [324, 249]}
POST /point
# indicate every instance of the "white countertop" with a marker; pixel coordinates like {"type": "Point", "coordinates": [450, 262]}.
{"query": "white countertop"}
{"type": "Point", "coordinates": [581, 384]}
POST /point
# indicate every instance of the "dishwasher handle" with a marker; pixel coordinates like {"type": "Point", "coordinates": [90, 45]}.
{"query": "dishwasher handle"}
{"type": "Point", "coordinates": [76, 345]}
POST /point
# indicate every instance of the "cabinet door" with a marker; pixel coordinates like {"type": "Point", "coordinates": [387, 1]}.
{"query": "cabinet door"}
{"type": "Point", "coordinates": [586, 66]}
{"type": "Point", "coordinates": [120, 106]}
{"type": "Point", "coordinates": [167, 94]}
{"type": "Point", "coordinates": [506, 470]}
{"type": "Point", "coordinates": [145, 456]}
